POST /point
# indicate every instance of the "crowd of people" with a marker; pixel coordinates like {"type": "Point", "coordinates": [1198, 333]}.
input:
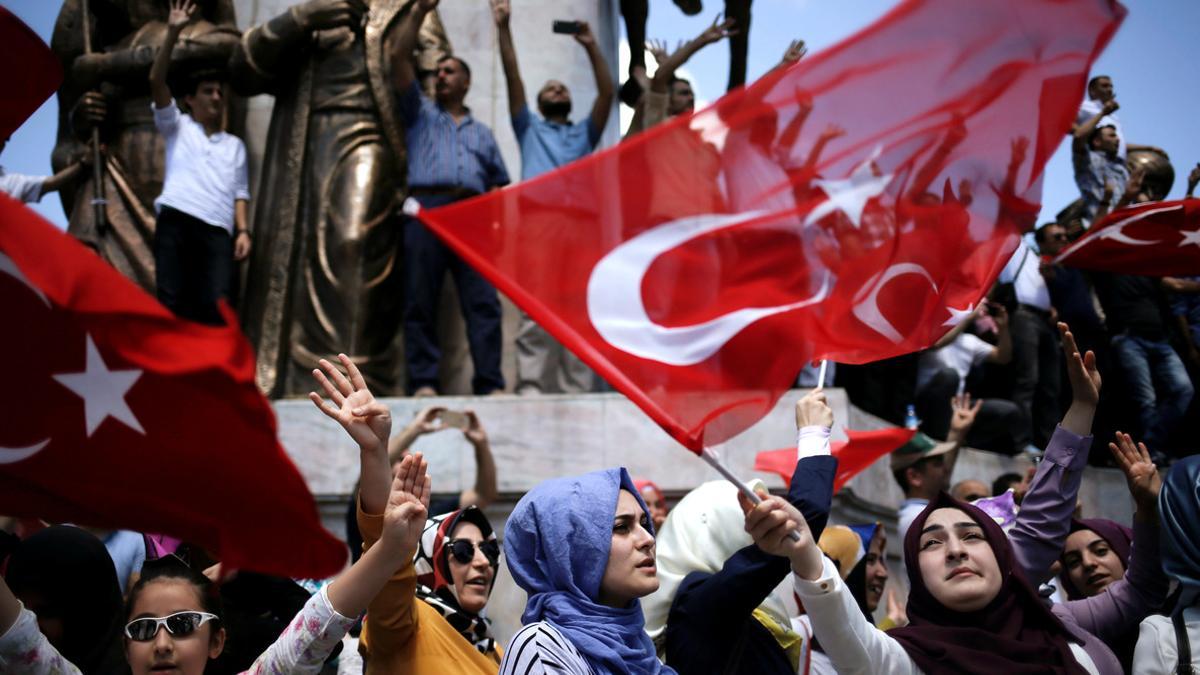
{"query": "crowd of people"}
{"type": "Point", "coordinates": [1006, 576]}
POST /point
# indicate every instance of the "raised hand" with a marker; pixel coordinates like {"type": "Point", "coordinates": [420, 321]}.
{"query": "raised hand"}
{"type": "Point", "coordinates": [426, 421]}
{"type": "Point", "coordinates": [501, 12]}
{"type": "Point", "coordinates": [407, 506]}
{"type": "Point", "coordinates": [1020, 148]}
{"type": "Point", "coordinates": [475, 433]}
{"type": "Point", "coordinates": [180, 14]}
{"type": "Point", "coordinates": [963, 416]}
{"type": "Point", "coordinates": [659, 50]}
{"type": "Point", "coordinates": [771, 523]}
{"type": "Point", "coordinates": [352, 405]}
{"type": "Point", "coordinates": [895, 608]}
{"type": "Point", "coordinates": [813, 410]}
{"type": "Point", "coordinates": [831, 132]}
{"type": "Point", "coordinates": [1110, 106]}
{"type": "Point", "coordinates": [584, 36]}
{"type": "Point", "coordinates": [1193, 179]}
{"type": "Point", "coordinates": [1081, 369]}
{"type": "Point", "coordinates": [1140, 473]}
{"type": "Point", "coordinates": [795, 51]}
{"type": "Point", "coordinates": [717, 31]}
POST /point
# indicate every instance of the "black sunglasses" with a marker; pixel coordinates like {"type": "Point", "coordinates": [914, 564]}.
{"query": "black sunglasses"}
{"type": "Point", "coordinates": [463, 550]}
{"type": "Point", "coordinates": [178, 624]}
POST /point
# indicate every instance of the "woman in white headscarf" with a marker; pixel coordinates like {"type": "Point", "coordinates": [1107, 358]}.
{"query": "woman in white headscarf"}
{"type": "Point", "coordinates": [712, 576]}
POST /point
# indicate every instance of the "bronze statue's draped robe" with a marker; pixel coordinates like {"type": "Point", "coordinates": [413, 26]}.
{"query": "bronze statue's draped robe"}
{"type": "Point", "coordinates": [125, 35]}
{"type": "Point", "coordinates": [325, 270]}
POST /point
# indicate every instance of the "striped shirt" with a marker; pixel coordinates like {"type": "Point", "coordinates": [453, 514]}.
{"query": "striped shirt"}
{"type": "Point", "coordinates": [538, 649]}
{"type": "Point", "coordinates": [445, 153]}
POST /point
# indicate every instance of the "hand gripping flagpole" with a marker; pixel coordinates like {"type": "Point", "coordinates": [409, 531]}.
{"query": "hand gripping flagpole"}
{"type": "Point", "coordinates": [710, 456]}
{"type": "Point", "coordinates": [98, 200]}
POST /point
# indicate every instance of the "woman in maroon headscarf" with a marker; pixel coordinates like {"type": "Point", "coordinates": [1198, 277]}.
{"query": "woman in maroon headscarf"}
{"type": "Point", "coordinates": [1095, 556]}
{"type": "Point", "coordinates": [970, 607]}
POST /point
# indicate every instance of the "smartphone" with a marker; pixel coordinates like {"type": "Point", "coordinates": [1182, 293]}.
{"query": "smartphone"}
{"type": "Point", "coordinates": [454, 418]}
{"type": "Point", "coordinates": [567, 27]}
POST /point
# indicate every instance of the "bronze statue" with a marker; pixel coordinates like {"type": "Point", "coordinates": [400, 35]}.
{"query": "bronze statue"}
{"type": "Point", "coordinates": [1158, 176]}
{"type": "Point", "coordinates": [109, 88]}
{"type": "Point", "coordinates": [324, 272]}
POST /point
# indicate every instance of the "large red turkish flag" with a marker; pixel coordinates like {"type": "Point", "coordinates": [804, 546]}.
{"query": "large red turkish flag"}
{"type": "Point", "coordinates": [1156, 239]}
{"type": "Point", "coordinates": [698, 266]}
{"type": "Point", "coordinates": [854, 455]}
{"type": "Point", "coordinates": [119, 415]}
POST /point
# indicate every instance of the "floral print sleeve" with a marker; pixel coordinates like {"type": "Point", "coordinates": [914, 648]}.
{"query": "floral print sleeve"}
{"type": "Point", "coordinates": [307, 642]}
{"type": "Point", "coordinates": [25, 651]}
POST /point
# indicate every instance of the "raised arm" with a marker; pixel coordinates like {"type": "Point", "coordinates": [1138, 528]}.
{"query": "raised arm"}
{"type": "Point", "coordinates": [330, 613]}
{"type": "Point", "coordinates": [1127, 601]}
{"type": "Point", "coordinates": [1193, 179]}
{"type": "Point", "coordinates": [501, 12]}
{"type": "Point", "coordinates": [962, 418]}
{"type": "Point", "coordinates": [1002, 352]}
{"type": "Point", "coordinates": [403, 72]}
{"type": "Point", "coordinates": [1089, 125]}
{"type": "Point", "coordinates": [179, 16]}
{"type": "Point", "coordinates": [1044, 521]}
{"type": "Point", "coordinates": [58, 180]}
{"type": "Point", "coordinates": [666, 69]}
{"type": "Point", "coordinates": [365, 419]}
{"type": "Point", "coordinates": [24, 649]}
{"type": "Point", "coordinates": [425, 422]}
{"type": "Point", "coordinates": [604, 82]}
{"type": "Point", "coordinates": [484, 492]}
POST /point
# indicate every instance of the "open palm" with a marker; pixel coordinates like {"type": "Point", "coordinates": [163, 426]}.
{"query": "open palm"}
{"type": "Point", "coordinates": [352, 404]}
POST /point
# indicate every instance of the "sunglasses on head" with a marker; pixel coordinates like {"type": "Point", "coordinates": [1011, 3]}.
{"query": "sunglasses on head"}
{"type": "Point", "coordinates": [178, 624]}
{"type": "Point", "coordinates": [463, 550]}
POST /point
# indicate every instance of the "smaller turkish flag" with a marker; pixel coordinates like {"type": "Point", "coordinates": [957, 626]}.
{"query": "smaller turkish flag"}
{"type": "Point", "coordinates": [28, 85]}
{"type": "Point", "coordinates": [119, 415]}
{"type": "Point", "coordinates": [1156, 239]}
{"type": "Point", "coordinates": [856, 453]}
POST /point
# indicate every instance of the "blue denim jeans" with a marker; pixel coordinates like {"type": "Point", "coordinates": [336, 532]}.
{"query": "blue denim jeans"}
{"type": "Point", "coordinates": [1158, 383]}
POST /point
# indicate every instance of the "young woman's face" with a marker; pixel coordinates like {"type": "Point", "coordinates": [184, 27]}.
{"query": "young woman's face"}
{"type": "Point", "coordinates": [473, 580]}
{"type": "Point", "coordinates": [877, 571]}
{"type": "Point", "coordinates": [631, 572]}
{"type": "Point", "coordinates": [1090, 562]}
{"type": "Point", "coordinates": [957, 562]}
{"type": "Point", "coordinates": [166, 653]}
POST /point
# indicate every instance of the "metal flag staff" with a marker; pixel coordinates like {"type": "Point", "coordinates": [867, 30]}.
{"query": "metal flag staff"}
{"type": "Point", "coordinates": [98, 199]}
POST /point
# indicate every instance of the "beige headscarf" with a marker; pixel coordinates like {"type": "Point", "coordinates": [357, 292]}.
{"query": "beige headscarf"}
{"type": "Point", "coordinates": [700, 534]}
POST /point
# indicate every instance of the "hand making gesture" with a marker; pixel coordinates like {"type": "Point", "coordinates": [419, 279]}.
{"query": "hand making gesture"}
{"type": "Point", "coordinates": [407, 507]}
{"type": "Point", "coordinates": [180, 14]}
{"type": "Point", "coordinates": [352, 405]}
{"type": "Point", "coordinates": [1140, 474]}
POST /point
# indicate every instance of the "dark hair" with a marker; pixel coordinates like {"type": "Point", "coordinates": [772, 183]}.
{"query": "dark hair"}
{"type": "Point", "coordinates": [1004, 482]}
{"type": "Point", "coordinates": [460, 62]}
{"type": "Point", "coordinates": [1096, 80]}
{"type": "Point", "coordinates": [1039, 235]}
{"type": "Point", "coordinates": [172, 568]}
{"type": "Point", "coordinates": [1096, 132]}
{"type": "Point", "coordinates": [678, 79]}
{"type": "Point", "coordinates": [187, 84]}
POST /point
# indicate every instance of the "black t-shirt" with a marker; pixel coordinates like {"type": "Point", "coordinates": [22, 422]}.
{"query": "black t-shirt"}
{"type": "Point", "coordinates": [1133, 305]}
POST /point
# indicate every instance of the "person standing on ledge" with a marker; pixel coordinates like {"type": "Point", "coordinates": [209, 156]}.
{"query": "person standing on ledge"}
{"type": "Point", "coordinates": [202, 209]}
{"type": "Point", "coordinates": [548, 142]}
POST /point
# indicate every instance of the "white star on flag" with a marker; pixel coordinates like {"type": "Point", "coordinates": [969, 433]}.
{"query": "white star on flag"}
{"type": "Point", "coordinates": [849, 195]}
{"type": "Point", "coordinates": [103, 391]}
{"type": "Point", "coordinates": [957, 316]}
{"type": "Point", "coordinates": [1190, 238]}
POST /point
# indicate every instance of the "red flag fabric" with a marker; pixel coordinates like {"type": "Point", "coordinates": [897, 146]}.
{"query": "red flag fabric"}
{"type": "Point", "coordinates": [1156, 239]}
{"type": "Point", "coordinates": [119, 415]}
{"type": "Point", "coordinates": [853, 206]}
{"type": "Point", "coordinates": [29, 80]}
{"type": "Point", "coordinates": [855, 454]}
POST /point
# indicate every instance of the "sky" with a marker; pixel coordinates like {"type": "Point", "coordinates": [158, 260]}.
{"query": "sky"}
{"type": "Point", "coordinates": [1151, 60]}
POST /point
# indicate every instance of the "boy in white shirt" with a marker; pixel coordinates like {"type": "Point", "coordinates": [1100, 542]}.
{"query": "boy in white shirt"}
{"type": "Point", "coordinates": [201, 223]}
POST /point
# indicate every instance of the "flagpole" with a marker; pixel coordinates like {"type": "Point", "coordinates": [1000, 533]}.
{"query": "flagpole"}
{"type": "Point", "coordinates": [98, 200]}
{"type": "Point", "coordinates": [715, 462]}
{"type": "Point", "coordinates": [821, 374]}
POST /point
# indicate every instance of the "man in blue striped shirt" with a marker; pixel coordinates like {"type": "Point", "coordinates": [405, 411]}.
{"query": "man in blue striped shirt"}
{"type": "Point", "coordinates": [451, 156]}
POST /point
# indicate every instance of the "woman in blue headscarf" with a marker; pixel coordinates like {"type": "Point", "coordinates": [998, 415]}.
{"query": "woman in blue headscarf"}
{"type": "Point", "coordinates": [583, 549]}
{"type": "Point", "coordinates": [1168, 644]}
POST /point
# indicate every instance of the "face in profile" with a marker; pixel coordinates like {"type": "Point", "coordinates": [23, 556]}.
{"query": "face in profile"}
{"type": "Point", "coordinates": [657, 506]}
{"type": "Point", "coordinates": [631, 572]}
{"type": "Point", "coordinates": [682, 98]}
{"type": "Point", "coordinates": [957, 563]}
{"type": "Point", "coordinates": [184, 654]}
{"type": "Point", "coordinates": [473, 579]}
{"type": "Point", "coordinates": [877, 571]}
{"type": "Point", "coordinates": [1090, 563]}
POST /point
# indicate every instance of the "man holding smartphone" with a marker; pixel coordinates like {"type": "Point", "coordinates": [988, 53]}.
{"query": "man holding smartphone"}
{"type": "Point", "coordinates": [548, 142]}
